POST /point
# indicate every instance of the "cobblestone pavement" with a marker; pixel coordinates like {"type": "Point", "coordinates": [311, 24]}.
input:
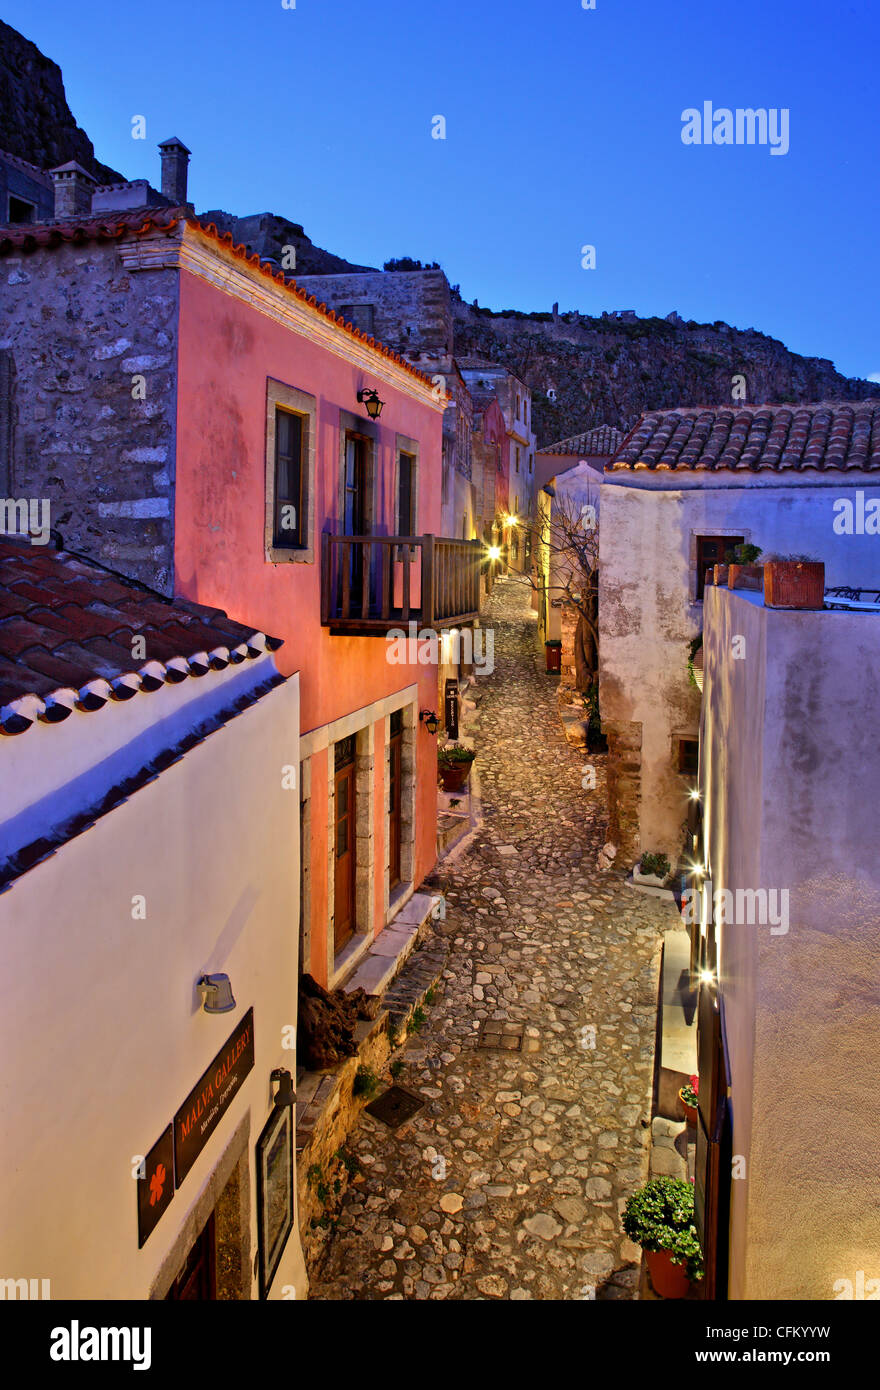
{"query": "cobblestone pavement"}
{"type": "Point", "coordinates": [510, 1181]}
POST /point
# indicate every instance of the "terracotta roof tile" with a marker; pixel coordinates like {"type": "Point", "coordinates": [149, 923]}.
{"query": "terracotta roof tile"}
{"type": "Point", "coordinates": [824, 435]}
{"type": "Point", "coordinates": [604, 439]}
{"type": "Point", "coordinates": [115, 226]}
{"type": "Point", "coordinates": [66, 641]}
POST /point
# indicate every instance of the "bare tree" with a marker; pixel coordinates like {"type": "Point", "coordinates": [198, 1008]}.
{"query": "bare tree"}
{"type": "Point", "coordinates": [568, 533]}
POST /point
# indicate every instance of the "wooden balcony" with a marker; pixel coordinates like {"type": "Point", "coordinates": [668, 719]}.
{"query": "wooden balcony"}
{"type": "Point", "coordinates": [370, 584]}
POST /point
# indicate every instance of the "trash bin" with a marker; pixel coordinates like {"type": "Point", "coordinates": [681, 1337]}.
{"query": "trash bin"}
{"type": "Point", "coordinates": [553, 653]}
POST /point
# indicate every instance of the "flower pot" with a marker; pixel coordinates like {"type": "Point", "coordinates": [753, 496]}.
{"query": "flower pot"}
{"type": "Point", "coordinates": [651, 880]}
{"type": "Point", "coordinates": [794, 584]}
{"type": "Point", "coordinates": [690, 1111]}
{"type": "Point", "coordinates": [721, 574]}
{"type": "Point", "coordinates": [745, 577]}
{"type": "Point", "coordinates": [453, 777]}
{"type": "Point", "coordinates": [667, 1279]}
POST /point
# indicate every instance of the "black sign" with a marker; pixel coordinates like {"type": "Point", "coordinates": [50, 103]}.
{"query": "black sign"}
{"type": "Point", "coordinates": [211, 1097]}
{"type": "Point", "coordinates": [155, 1185]}
{"type": "Point", "coordinates": [451, 708]}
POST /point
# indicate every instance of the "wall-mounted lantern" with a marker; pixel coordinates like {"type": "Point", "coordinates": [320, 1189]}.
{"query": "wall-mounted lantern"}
{"type": "Point", "coordinates": [216, 992]}
{"type": "Point", "coordinates": [370, 398]}
{"type": "Point", "coordinates": [285, 1095]}
{"type": "Point", "coordinates": [430, 720]}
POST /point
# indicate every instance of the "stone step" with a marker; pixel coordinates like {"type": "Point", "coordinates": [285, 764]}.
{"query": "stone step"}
{"type": "Point", "coordinates": [392, 947]}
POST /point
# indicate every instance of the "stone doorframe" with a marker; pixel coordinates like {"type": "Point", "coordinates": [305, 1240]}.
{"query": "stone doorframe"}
{"type": "Point", "coordinates": [404, 889]}
{"type": "Point", "coordinates": [362, 724]}
{"type": "Point", "coordinates": [227, 1193]}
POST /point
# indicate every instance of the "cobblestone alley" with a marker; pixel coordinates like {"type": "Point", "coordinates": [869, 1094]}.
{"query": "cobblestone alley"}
{"type": "Point", "coordinates": [509, 1183]}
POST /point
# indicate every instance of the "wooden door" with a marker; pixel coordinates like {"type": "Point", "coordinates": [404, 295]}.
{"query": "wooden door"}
{"type": "Point", "coordinates": [197, 1279]}
{"type": "Point", "coordinates": [395, 749]}
{"type": "Point", "coordinates": [346, 857]}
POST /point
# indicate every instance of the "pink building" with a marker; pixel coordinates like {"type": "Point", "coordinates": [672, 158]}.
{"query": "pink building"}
{"type": "Point", "coordinates": [217, 443]}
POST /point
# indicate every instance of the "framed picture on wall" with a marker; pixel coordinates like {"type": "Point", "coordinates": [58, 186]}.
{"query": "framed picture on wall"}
{"type": "Point", "coordinates": [275, 1196]}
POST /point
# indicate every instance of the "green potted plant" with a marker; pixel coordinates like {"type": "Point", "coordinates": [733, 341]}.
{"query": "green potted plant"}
{"type": "Point", "coordinates": [742, 571]}
{"type": "Point", "coordinates": [660, 1218]}
{"type": "Point", "coordinates": [689, 1095]}
{"type": "Point", "coordinates": [652, 869]}
{"type": "Point", "coordinates": [794, 581]}
{"type": "Point", "coordinates": [454, 763]}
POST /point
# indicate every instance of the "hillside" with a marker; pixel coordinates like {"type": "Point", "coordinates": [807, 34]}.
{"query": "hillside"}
{"type": "Point", "coordinates": [608, 370]}
{"type": "Point", "coordinates": [35, 121]}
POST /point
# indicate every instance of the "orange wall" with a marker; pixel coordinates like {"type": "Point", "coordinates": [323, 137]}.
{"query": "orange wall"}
{"type": "Point", "coordinates": [227, 351]}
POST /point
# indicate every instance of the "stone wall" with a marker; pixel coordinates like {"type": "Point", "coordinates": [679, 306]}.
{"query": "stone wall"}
{"type": "Point", "coordinates": [80, 335]}
{"type": "Point", "coordinates": [412, 309]}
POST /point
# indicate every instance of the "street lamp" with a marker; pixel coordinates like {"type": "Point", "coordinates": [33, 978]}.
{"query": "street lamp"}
{"type": "Point", "coordinates": [370, 398]}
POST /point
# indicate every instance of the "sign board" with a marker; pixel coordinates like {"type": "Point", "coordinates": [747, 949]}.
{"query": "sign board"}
{"type": "Point", "coordinates": [155, 1185]}
{"type": "Point", "coordinates": [450, 710]}
{"type": "Point", "coordinates": [211, 1097]}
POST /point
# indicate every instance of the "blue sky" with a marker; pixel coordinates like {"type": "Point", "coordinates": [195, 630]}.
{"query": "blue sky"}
{"type": "Point", "coordinates": [563, 128]}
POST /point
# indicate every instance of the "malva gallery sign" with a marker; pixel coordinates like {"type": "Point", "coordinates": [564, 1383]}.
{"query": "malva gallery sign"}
{"type": "Point", "coordinates": [174, 1153]}
{"type": "Point", "coordinates": [211, 1096]}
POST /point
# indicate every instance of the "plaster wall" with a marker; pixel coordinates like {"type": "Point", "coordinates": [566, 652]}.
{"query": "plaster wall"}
{"type": "Point", "coordinates": [789, 765]}
{"type": "Point", "coordinates": [647, 607]}
{"type": "Point", "coordinates": [100, 1018]}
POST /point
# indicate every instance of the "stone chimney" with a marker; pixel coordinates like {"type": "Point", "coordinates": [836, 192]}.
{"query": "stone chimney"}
{"type": "Point", "coordinates": [175, 158]}
{"type": "Point", "coordinates": [74, 187]}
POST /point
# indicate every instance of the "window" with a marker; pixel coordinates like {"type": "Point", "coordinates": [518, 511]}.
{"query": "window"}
{"type": "Point", "coordinates": [287, 530]}
{"type": "Point", "coordinates": [711, 551]}
{"type": "Point", "coordinates": [688, 756]}
{"type": "Point", "coordinates": [531, 462]}
{"type": "Point", "coordinates": [20, 210]}
{"type": "Point", "coordinates": [517, 458]}
{"type": "Point", "coordinates": [517, 407]}
{"type": "Point", "coordinates": [358, 315]}
{"type": "Point", "coordinates": [290, 474]}
{"type": "Point", "coordinates": [406, 518]}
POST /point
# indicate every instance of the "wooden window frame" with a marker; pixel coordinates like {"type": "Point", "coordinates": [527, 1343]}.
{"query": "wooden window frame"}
{"type": "Point", "coordinates": [280, 396]}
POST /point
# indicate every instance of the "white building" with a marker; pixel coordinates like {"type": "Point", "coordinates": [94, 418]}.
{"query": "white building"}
{"type": "Point", "coordinates": [683, 487]}
{"type": "Point", "coordinates": [150, 833]}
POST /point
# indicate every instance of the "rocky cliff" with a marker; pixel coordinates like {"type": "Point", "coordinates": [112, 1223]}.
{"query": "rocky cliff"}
{"type": "Point", "coordinates": [608, 370]}
{"type": "Point", "coordinates": [35, 121]}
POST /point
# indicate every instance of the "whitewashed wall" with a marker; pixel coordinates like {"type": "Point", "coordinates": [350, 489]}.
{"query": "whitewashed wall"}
{"type": "Point", "coordinates": [647, 616]}
{"type": "Point", "coordinates": [100, 1022]}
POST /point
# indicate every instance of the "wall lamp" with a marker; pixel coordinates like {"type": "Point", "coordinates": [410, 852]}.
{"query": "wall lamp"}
{"type": "Point", "coordinates": [370, 398]}
{"type": "Point", "coordinates": [494, 552]}
{"type": "Point", "coordinates": [285, 1095]}
{"type": "Point", "coordinates": [216, 992]}
{"type": "Point", "coordinates": [510, 521]}
{"type": "Point", "coordinates": [430, 720]}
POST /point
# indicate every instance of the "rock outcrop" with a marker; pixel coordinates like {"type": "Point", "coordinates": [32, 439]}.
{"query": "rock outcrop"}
{"type": "Point", "coordinates": [35, 121]}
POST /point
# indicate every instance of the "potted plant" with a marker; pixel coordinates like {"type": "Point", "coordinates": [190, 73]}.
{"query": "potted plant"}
{"type": "Point", "coordinates": [721, 574]}
{"type": "Point", "coordinates": [454, 766]}
{"type": "Point", "coordinates": [794, 581]}
{"type": "Point", "coordinates": [652, 869]}
{"type": "Point", "coordinates": [660, 1218]}
{"type": "Point", "coordinates": [689, 1095]}
{"type": "Point", "coordinates": [742, 571]}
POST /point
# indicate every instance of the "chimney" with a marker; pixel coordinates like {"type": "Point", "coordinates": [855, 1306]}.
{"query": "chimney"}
{"type": "Point", "coordinates": [175, 158]}
{"type": "Point", "coordinates": [74, 187]}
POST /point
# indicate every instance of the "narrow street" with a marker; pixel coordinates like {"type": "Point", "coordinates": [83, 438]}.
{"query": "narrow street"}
{"type": "Point", "coordinates": [509, 1182]}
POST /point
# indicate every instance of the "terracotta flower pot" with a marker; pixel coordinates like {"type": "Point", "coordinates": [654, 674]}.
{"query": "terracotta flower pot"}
{"type": "Point", "coordinates": [721, 574]}
{"type": "Point", "coordinates": [745, 577]}
{"type": "Point", "coordinates": [690, 1111]}
{"type": "Point", "coordinates": [667, 1279]}
{"type": "Point", "coordinates": [794, 584]}
{"type": "Point", "coordinates": [454, 776]}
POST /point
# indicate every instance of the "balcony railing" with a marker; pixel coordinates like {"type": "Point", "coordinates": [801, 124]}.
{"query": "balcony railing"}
{"type": "Point", "coordinates": [370, 584]}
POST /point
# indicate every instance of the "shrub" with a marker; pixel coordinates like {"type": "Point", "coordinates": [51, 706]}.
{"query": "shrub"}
{"type": "Point", "coordinates": [742, 554]}
{"type": "Point", "coordinates": [656, 864]}
{"type": "Point", "coordinates": [660, 1216]}
{"type": "Point", "coordinates": [366, 1082]}
{"type": "Point", "coordinates": [454, 754]}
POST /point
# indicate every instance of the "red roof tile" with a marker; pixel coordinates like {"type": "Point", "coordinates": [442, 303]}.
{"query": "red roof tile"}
{"type": "Point", "coordinates": [66, 630]}
{"type": "Point", "coordinates": [115, 226]}
{"type": "Point", "coordinates": [826, 435]}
